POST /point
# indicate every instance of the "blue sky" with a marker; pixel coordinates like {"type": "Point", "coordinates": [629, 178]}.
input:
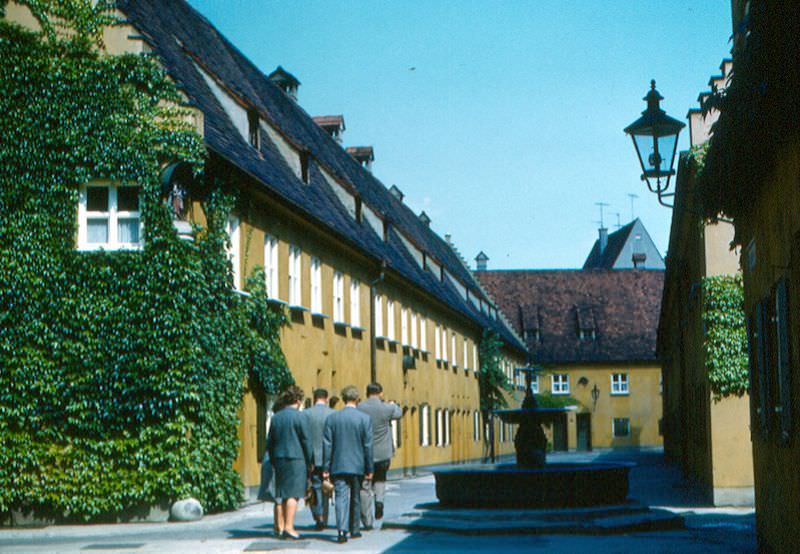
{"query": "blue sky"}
{"type": "Point", "coordinates": [502, 120]}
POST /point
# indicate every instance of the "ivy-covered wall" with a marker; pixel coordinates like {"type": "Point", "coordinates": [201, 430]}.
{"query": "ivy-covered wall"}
{"type": "Point", "coordinates": [120, 372]}
{"type": "Point", "coordinates": [726, 352]}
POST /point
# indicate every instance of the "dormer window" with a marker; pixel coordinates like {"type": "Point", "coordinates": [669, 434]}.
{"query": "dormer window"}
{"type": "Point", "coordinates": [253, 129]}
{"type": "Point", "coordinates": [587, 328]}
{"type": "Point", "coordinates": [304, 161]}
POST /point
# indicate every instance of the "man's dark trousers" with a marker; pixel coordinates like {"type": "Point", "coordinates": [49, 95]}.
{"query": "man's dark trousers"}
{"type": "Point", "coordinates": [348, 502]}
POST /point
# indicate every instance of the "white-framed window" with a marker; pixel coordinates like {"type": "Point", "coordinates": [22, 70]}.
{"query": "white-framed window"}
{"type": "Point", "coordinates": [234, 250]}
{"type": "Point", "coordinates": [475, 365]}
{"type": "Point", "coordinates": [316, 285]}
{"type": "Point", "coordinates": [355, 303]}
{"type": "Point", "coordinates": [390, 321]}
{"type": "Point", "coordinates": [425, 425]}
{"type": "Point", "coordinates": [619, 383]}
{"type": "Point", "coordinates": [444, 344]}
{"type": "Point", "coordinates": [295, 276]}
{"type": "Point", "coordinates": [414, 335]}
{"type": "Point", "coordinates": [502, 432]}
{"type": "Point", "coordinates": [453, 349]}
{"type": "Point", "coordinates": [404, 326]}
{"type": "Point", "coordinates": [476, 426]}
{"type": "Point", "coordinates": [439, 427]}
{"type": "Point", "coordinates": [423, 334]}
{"type": "Point", "coordinates": [447, 420]}
{"type": "Point", "coordinates": [109, 217]}
{"type": "Point", "coordinates": [535, 384]}
{"type": "Point", "coordinates": [437, 343]}
{"type": "Point", "coordinates": [378, 315]}
{"type": "Point", "coordinates": [466, 363]}
{"type": "Point", "coordinates": [559, 383]}
{"type": "Point", "coordinates": [338, 297]}
{"type": "Point", "coordinates": [621, 426]}
{"type": "Point", "coordinates": [271, 266]}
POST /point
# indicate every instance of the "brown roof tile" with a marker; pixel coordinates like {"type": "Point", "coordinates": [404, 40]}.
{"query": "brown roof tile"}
{"type": "Point", "coordinates": [620, 307]}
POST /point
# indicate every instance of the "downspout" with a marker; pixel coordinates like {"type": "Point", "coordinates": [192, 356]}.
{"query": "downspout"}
{"type": "Point", "coordinates": [373, 363]}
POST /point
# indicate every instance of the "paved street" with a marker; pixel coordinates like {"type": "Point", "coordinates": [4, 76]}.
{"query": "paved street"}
{"type": "Point", "coordinates": [249, 529]}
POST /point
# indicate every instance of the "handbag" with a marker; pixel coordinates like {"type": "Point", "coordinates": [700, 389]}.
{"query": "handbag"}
{"type": "Point", "coordinates": [327, 487]}
{"type": "Point", "coordinates": [310, 498]}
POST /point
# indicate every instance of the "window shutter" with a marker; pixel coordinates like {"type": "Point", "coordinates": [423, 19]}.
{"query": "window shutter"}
{"type": "Point", "coordinates": [783, 409]}
{"type": "Point", "coordinates": [753, 388]}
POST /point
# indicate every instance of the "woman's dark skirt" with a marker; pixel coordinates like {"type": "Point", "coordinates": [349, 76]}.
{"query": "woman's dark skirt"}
{"type": "Point", "coordinates": [291, 478]}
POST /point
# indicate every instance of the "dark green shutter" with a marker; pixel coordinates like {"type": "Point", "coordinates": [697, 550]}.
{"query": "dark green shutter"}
{"type": "Point", "coordinates": [784, 408]}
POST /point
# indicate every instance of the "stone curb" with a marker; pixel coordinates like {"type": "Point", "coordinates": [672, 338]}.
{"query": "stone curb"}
{"type": "Point", "coordinates": [647, 521]}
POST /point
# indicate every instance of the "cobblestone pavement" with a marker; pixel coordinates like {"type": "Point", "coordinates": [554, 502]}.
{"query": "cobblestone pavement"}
{"type": "Point", "coordinates": [249, 529]}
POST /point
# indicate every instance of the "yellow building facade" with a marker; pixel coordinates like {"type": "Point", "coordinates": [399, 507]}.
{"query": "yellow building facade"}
{"type": "Point", "coordinates": [709, 438]}
{"type": "Point", "coordinates": [593, 332]}
{"type": "Point", "coordinates": [370, 292]}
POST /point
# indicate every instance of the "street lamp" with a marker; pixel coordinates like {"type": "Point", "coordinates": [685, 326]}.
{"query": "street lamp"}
{"type": "Point", "coordinates": [595, 394]}
{"type": "Point", "coordinates": [655, 137]}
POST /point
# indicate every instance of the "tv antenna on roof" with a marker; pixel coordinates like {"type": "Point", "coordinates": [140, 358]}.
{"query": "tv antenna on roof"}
{"type": "Point", "coordinates": [602, 205]}
{"type": "Point", "coordinates": [618, 225]}
{"type": "Point", "coordinates": [632, 197]}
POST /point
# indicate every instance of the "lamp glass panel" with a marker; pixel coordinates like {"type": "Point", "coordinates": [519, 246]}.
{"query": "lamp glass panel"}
{"type": "Point", "coordinates": [666, 148]}
{"type": "Point", "coordinates": [646, 149]}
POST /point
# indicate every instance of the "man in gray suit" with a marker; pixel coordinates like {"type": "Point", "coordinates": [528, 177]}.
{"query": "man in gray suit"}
{"type": "Point", "coordinates": [382, 413]}
{"type": "Point", "coordinates": [347, 456]}
{"type": "Point", "coordinates": [316, 418]}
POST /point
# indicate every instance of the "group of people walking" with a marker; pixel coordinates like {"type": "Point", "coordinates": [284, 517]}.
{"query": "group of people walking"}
{"type": "Point", "coordinates": [350, 449]}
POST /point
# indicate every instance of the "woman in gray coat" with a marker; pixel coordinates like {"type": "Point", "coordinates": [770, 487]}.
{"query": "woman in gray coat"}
{"type": "Point", "coordinates": [291, 455]}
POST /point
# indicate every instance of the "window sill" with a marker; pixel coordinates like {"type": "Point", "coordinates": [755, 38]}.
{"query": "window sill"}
{"type": "Point", "coordinates": [277, 302]}
{"type": "Point", "coordinates": [340, 324]}
{"type": "Point", "coordinates": [358, 328]}
{"type": "Point", "coordinates": [241, 292]}
{"type": "Point", "coordinates": [565, 393]}
{"type": "Point", "coordinates": [106, 247]}
{"type": "Point", "coordinates": [319, 315]}
{"type": "Point", "coordinates": [620, 394]}
{"type": "Point", "coordinates": [298, 308]}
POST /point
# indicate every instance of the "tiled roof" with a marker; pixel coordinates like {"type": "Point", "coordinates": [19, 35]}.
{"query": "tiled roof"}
{"type": "Point", "coordinates": [183, 40]}
{"type": "Point", "coordinates": [619, 308]}
{"type": "Point", "coordinates": [608, 257]}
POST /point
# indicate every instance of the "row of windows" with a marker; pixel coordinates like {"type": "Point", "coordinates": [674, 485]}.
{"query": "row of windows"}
{"type": "Point", "coordinates": [559, 383]}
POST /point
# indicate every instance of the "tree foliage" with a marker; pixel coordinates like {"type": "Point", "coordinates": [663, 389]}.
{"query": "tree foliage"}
{"type": "Point", "coordinates": [121, 373]}
{"type": "Point", "coordinates": [726, 351]}
{"type": "Point", "coordinates": [492, 381]}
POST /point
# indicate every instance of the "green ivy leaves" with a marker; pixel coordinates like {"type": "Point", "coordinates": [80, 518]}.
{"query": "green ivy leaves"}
{"type": "Point", "coordinates": [121, 373]}
{"type": "Point", "coordinates": [726, 351]}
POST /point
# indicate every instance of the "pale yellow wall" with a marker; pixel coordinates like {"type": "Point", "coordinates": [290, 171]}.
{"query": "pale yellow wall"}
{"type": "Point", "coordinates": [320, 354]}
{"type": "Point", "coordinates": [730, 444]}
{"type": "Point", "coordinates": [721, 259]}
{"type": "Point", "coordinates": [773, 224]}
{"type": "Point", "coordinates": [642, 404]}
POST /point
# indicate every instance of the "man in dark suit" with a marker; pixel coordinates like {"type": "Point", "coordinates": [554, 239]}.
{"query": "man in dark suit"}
{"type": "Point", "coordinates": [382, 413]}
{"type": "Point", "coordinates": [347, 456]}
{"type": "Point", "coordinates": [316, 418]}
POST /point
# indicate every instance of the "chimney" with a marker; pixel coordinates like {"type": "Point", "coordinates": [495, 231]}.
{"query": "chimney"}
{"type": "Point", "coordinates": [364, 155]}
{"type": "Point", "coordinates": [603, 239]}
{"type": "Point", "coordinates": [331, 124]}
{"type": "Point", "coordinates": [480, 261]}
{"type": "Point", "coordinates": [423, 217]}
{"type": "Point", "coordinates": [285, 81]}
{"type": "Point", "coordinates": [396, 192]}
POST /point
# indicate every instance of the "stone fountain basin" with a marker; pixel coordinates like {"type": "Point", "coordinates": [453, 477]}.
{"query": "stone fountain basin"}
{"type": "Point", "coordinates": [555, 485]}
